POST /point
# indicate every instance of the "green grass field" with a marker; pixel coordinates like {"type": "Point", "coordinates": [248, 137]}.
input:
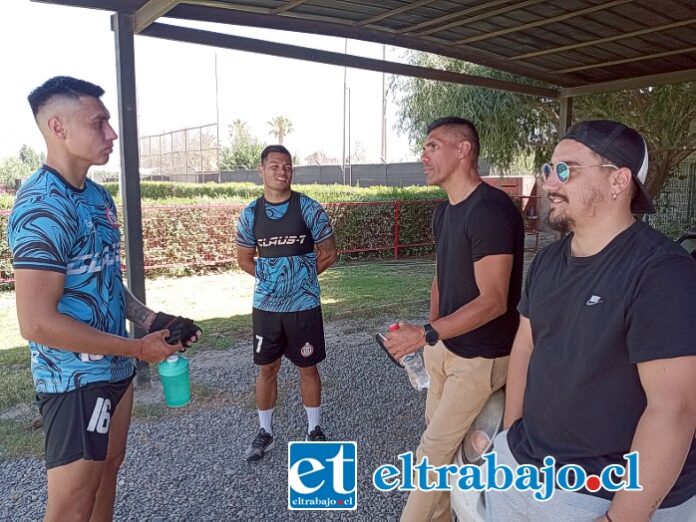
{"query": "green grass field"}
{"type": "Point", "coordinates": [221, 304]}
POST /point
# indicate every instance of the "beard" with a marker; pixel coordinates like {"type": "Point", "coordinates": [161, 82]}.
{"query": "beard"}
{"type": "Point", "coordinates": [562, 224]}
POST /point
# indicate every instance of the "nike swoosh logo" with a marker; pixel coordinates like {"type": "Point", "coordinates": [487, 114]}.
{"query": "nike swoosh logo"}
{"type": "Point", "coordinates": [590, 302]}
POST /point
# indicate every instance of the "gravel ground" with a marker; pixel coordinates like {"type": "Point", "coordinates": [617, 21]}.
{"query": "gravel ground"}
{"type": "Point", "coordinates": [188, 464]}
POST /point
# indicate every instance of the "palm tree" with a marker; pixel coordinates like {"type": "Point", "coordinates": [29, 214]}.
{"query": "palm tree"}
{"type": "Point", "coordinates": [280, 127]}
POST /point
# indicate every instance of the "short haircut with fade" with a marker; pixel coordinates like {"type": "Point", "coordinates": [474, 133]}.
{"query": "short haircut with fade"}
{"type": "Point", "coordinates": [61, 86]}
{"type": "Point", "coordinates": [466, 128]}
{"type": "Point", "coordinates": [274, 148]}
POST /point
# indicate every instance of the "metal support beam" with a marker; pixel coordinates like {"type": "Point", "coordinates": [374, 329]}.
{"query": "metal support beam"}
{"type": "Point", "coordinates": [228, 13]}
{"type": "Point", "coordinates": [632, 83]}
{"type": "Point", "coordinates": [122, 26]}
{"type": "Point", "coordinates": [544, 21]}
{"type": "Point", "coordinates": [566, 116]}
{"type": "Point", "coordinates": [641, 58]}
{"type": "Point", "coordinates": [602, 41]}
{"type": "Point", "coordinates": [151, 11]}
{"type": "Point", "coordinates": [120, 6]}
{"type": "Point", "coordinates": [287, 6]}
{"type": "Point", "coordinates": [197, 36]}
{"type": "Point", "coordinates": [391, 12]}
{"type": "Point", "coordinates": [458, 15]}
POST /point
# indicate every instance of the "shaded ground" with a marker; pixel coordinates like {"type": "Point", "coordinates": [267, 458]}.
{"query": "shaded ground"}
{"type": "Point", "coordinates": [186, 464]}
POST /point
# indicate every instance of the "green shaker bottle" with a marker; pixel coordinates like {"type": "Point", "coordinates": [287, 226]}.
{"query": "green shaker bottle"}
{"type": "Point", "coordinates": [174, 374]}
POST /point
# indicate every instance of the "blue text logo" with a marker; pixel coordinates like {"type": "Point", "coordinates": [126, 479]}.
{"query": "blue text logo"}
{"type": "Point", "coordinates": [322, 475]}
{"type": "Point", "coordinates": [491, 475]}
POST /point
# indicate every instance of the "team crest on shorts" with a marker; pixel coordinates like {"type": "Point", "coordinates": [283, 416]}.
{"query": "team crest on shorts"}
{"type": "Point", "coordinates": [307, 350]}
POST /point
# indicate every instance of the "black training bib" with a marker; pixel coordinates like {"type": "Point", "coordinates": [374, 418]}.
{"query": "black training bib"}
{"type": "Point", "coordinates": [284, 237]}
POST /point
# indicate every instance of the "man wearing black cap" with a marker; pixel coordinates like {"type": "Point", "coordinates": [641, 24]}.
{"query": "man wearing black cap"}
{"type": "Point", "coordinates": [604, 361]}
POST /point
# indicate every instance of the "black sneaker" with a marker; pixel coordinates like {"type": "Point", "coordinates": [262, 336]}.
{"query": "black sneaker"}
{"type": "Point", "coordinates": [316, 434]}
{"type": "Point", "coordinates": [262, 444]}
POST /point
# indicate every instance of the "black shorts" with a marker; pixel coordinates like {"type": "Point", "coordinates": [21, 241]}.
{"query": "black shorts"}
{"type": "Point", "coordinates": [77, 422]}
{"type": "Point", "coordinates": [297, 335]}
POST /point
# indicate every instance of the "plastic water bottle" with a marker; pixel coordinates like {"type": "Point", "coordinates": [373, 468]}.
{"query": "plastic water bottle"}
{"type": "Point", "coordinates": [414, 365]}
{"type": "Point", "coordinates": [174, 375]}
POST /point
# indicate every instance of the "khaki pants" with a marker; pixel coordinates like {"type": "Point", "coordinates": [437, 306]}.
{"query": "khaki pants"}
{"type": "Point", "coordinates": [459, 388]}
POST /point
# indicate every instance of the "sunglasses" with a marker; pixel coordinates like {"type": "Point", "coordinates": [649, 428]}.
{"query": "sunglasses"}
{"type": "Point", "coordinates": [562, 170]}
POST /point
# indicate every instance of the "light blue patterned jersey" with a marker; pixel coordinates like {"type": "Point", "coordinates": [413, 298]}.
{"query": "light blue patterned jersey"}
{"type": "Point", "coordinates": [286, 284]}
{"type": "Point", "coordinates": [54, 226]}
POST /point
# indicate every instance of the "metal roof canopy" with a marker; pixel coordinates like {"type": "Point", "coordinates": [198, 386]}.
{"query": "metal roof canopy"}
{"type": "Point", "coordinates": [576, 47]}
{"type": "Point", "coordinates": [571, 48]}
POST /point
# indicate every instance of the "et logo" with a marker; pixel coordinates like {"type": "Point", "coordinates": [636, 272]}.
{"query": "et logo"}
{"type": "Point", "coordinates": [322, 475]}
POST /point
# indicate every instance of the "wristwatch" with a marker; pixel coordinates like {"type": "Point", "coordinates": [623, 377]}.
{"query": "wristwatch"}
{"type": "Point", "coordinates": [431, 335]}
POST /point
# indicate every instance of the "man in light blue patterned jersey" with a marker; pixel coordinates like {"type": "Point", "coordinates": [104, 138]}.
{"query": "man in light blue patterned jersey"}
{"type": "Point", "coordinates": [291, 236]}
{"type": "Point", "coordinates": [72, 305]}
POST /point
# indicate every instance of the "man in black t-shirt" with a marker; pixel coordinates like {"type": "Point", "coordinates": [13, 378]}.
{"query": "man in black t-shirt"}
{"type": "Point", "coordinates": [479, 238]}
{"type": "Point", "coordinates": [604, 362]}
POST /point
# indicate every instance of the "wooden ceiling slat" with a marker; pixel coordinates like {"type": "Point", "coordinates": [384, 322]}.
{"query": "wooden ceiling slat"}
{"type": "Point", "coordinates": [602, 41]}
{"type": "Point", "coordinates": [545, 21]}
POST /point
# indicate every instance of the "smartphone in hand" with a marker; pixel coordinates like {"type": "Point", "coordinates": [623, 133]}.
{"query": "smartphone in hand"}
{"type": "Point", "coordinates": [380, 341]}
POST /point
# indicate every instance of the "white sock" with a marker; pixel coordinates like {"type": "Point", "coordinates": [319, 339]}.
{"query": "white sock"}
{"type": "Point", "coordinates": [266, 420]}
{"type": "Point", "coordinates": [313, 417]}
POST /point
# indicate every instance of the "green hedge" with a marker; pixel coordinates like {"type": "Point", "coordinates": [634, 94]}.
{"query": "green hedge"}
{"type": "Point", "coordinates": [192, 193]}
{"type": "Point", "coordinates": [194, 232]}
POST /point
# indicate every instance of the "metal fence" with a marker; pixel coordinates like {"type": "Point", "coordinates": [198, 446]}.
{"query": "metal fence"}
{"type": "Point", "coordinates": [186, 155]}
{"type": "Point", "coordinates": [676, 203]}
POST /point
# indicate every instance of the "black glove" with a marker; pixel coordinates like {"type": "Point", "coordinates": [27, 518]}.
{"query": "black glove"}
{"type": "Point", "coordinates": [180, 328]}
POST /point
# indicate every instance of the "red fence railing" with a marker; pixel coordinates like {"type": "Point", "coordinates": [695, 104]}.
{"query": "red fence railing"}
{"type": "Point", "coordinates": [198, 237]}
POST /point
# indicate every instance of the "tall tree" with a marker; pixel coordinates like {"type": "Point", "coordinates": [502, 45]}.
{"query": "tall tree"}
{"type": "Point", "coordinates": [245, 149]}
{"type": "Point", "coordinates": [280, 127]}
{"type": "Point", "coordinates": [320, 158]}
{"type": "Point", "coordinates": [20, 166]}
{"type": "Point", "coordinates": [30, 157]}
{"type": "Point", "coordinates": [666, 117]}
{"type": "Point", "coordinates": [508, 124]}
{"type": "Point", "coordinates": [12, 168]}
{"type": "Point", "coordinates": [513, 125]}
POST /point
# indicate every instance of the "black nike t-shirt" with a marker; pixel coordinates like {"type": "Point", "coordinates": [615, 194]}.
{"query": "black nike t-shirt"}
{"type": "Point", "coordinates": [484, 224]}
{"type": "Point", "coordinates": [593, 320]}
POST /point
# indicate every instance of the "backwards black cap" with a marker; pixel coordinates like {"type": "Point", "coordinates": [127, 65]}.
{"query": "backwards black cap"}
{"type": "Point", "coordinates": [622, 146]}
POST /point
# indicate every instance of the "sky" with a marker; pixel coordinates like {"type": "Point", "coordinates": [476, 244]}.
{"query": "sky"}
{"type": "Point", "coordinates": [176, 82]}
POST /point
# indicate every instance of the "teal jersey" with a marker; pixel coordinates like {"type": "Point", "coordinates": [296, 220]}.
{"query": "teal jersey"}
{"type": "Point", "coordinates": [286, 284]}
{"type": "Point", "coordinates": [55, 226]}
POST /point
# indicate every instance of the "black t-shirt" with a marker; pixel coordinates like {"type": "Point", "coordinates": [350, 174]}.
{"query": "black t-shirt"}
{"type": "Point", "coordinates": [486, 223]}
{"type": "Point", "coordinates": [593, 319]}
